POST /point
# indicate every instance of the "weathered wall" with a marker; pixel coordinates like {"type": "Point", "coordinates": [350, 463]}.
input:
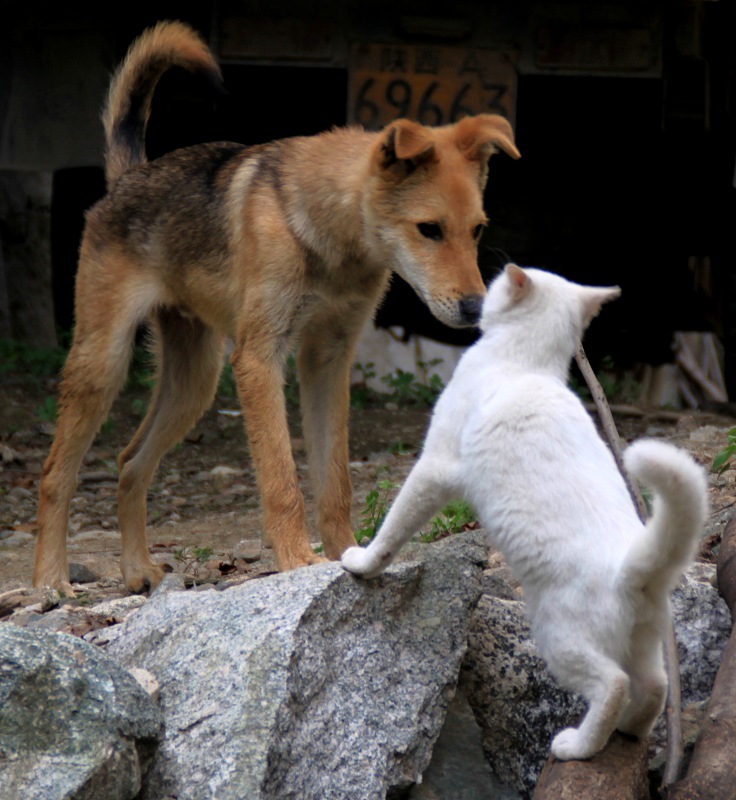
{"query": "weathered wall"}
{"type": "Point", "coordinates": [26, 304]}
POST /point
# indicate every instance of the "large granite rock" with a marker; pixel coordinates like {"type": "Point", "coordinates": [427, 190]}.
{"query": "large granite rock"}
{"type": "Point", "coordinates": [702, 627]}
{"type": "Point", "coordinates": [74, 725]}
{"type": "Point", "coordinates": [311, 684]}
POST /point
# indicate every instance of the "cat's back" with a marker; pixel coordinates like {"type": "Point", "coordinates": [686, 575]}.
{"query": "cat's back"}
{"type": "Point", "coordinates": [544, 482]}
{"type": "Point", "coordinates": [524, 404]}
{"type": "Point", "coordinates": [532, 431]}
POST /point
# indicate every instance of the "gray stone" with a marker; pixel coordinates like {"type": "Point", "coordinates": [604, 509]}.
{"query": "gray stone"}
{"type": "Point", "coordinates": [17, 538]}
{"type": "Point", "coordinates": [80, 573]}
{"type": "Point", "coordinates": [702, 627]}
{"type": "Point", "coordinates": [459, 769]}
{"type": "Point", "coordinates": [310, 684]}
{"type": "Point", "coordinates": [74, 725]}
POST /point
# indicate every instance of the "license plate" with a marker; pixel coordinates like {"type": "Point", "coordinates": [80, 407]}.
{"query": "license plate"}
{"type": "Point", "coordinates": [434, 85]}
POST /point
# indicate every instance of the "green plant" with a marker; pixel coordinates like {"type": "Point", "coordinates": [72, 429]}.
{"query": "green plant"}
{"type": "Point", "coordinates": [36, 362]}
{"type": "Point", "coordinates": [406, 390]}
{"type": "Point", "coordinates": [454, 517]}
{"type": "Point", "coordinates": [722, 461]}
{"type": "Point", "coordinates": [49, 410]}
{"type": "Point", "coordinates": [141, 374]}
{"type": "Point", "coordinates": [399, 448]}
{"type": "Point", "coordinates": [617, 385]}
{"type": "Point", "coordinates": [193, 559]}
{"type": "Point", "coordinates": [361, 395]}
{"type": "Point", "coordinates": [291, 383]}
{"type": "Point", "coordinates": [82, 599]}
{"type": "Point", "coordinates": [376, 507]}
{"type": "Point", "coordinates": [139, 406]}
{"type": "Point", "coordinates": [227, 386]}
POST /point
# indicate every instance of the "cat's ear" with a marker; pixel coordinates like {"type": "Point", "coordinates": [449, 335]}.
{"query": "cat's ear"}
{"type": "Point", "coordinates": [594, 297]}
{"type": "Point", "coordinates": [519, 282]}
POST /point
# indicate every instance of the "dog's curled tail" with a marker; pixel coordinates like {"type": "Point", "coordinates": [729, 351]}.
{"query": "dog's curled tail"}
{"type": "Point", "coordinates": [668, 544]}
{"type": "Point", "coordinates": [128, 107]}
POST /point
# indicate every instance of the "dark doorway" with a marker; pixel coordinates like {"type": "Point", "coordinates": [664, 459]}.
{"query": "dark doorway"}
{"type": "Point", "coordinates": [74, 190]}
{"type": "Point", "coordinates": [596, 197]}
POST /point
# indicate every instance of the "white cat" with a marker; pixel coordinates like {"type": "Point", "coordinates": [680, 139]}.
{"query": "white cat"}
{"type": "Point", "coordinates": [509, 436]}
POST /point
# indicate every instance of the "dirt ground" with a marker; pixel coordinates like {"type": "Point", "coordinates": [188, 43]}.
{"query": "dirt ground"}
{"type": "Point", "coordinates": [204, 518]}
{"type": "Point", "coordinates": [203, 497]}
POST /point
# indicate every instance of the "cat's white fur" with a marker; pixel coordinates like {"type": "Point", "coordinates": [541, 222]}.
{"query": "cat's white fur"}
{"type": "Point", "coordinates": [508, 435]}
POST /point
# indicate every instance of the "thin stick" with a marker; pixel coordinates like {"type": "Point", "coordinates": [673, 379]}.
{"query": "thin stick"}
{"type": "Point", "coordinates": [609, 428]}
{"type": "Point", "coordinates": [671, 659]}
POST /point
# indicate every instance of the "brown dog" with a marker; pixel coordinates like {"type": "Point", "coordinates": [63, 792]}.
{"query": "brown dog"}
{"type": "Point", "coordinates": [282, 246]}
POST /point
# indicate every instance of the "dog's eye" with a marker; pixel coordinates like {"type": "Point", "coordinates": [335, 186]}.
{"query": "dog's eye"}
{"type": "Point", "coordinates": [477, 231]}
{"type": "Point", "coordinates": [430, 230]}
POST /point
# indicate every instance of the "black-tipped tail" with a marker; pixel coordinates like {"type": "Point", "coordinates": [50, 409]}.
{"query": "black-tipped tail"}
{"type": "Point", "coordinates": [128, 105]}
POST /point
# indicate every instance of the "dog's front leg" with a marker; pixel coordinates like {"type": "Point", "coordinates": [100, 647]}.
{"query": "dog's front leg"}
{"type": "Point", "coordinates": [259, 376]}
{"type": "Point", "coordinates": [325, 360]}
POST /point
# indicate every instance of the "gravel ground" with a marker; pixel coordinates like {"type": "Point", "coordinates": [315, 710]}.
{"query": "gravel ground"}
{"type": "Point", "coordinates": [203, 510]}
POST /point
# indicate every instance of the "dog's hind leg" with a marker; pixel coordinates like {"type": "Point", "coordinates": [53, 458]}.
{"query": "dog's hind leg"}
{"type": "Point", "coordinates": [189, 361]}
{"type": "Point", "coordinates": [94, 373]}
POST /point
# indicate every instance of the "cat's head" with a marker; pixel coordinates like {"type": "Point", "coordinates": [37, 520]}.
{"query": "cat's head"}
{"type": "Point", "coordinates": [543, 303]}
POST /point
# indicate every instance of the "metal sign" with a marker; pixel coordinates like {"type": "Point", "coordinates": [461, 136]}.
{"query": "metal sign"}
{"type": "Point", "coordinates": [434, 85]}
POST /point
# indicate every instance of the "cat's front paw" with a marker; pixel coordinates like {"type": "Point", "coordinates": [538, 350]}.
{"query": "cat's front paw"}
{"type": "Point", "coordinates": [359, 561]}
{"type": "Point", "coordinates": [569, 745]}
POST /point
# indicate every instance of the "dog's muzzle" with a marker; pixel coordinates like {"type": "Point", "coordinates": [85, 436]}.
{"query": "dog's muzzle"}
{"type": "Point", "coordinates": [470, 309]}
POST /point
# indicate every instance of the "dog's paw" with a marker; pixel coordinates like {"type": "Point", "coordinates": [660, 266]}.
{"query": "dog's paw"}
{"type": "Point", "coordinates": [359, 561]}
{"type": "Point", "coordinates": [54, 580]}
{"type": "Point", "coordinates": [61, 585]}
{"type": "Point", "coordinates": [569, 745]}
{"type": "Point", "coordinates": [142, 578]}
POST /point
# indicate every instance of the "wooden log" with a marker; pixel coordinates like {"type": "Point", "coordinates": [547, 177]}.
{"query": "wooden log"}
{"type": "Point", "coordinates": [618, 772]}
{"type": "Point", "coordinates": [712, 771]}
{"type": "Point", "coordinates": [726, 566]}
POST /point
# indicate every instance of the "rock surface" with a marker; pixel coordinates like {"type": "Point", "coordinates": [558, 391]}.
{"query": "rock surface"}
{"type": "Point", "coordinates": [520, 706]}
{"type": "Point", "coordinates": [73, 724]}
{"type": "Point", "coordinates": [459, 769]}
{"type": "Point", "coordinates": [311, 684]}
{"type": "Point", "coordinates": [702, 628]}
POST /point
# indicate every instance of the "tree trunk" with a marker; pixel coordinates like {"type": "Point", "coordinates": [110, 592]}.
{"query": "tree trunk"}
{"type": "Point", "coordinates": [712, 772]}
{"type": "Point", "coordinates": [618, 772]}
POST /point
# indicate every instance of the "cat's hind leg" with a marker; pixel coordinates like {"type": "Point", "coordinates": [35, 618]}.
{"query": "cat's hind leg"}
{"type": "Point", "coordinates": [606, 688]}
{"type": "Point", "coordinates": [648, 682]}
{"type": "Point", "coordinates": [425, 491]}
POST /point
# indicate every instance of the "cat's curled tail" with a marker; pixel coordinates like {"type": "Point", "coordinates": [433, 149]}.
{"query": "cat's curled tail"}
{"type": "Point", "coordinates": [667, 546]}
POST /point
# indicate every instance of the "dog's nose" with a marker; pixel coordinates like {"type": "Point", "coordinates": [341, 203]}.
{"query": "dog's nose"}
{"type": "Point", "coordinates": [470, 309]}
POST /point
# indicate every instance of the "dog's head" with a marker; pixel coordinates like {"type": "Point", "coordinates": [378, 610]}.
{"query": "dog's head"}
{"type": "Point", "coordinates": [424, 208]}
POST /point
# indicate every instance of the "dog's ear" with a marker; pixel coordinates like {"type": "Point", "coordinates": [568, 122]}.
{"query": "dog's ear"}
{"type": "Point", "coordinates": [404, 146]}
{"type": "Point", "coordinates": [478, 138]}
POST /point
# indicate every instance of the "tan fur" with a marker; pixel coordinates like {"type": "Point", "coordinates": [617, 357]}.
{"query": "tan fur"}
{"type": "Point", "coordinates": [280, 247]}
